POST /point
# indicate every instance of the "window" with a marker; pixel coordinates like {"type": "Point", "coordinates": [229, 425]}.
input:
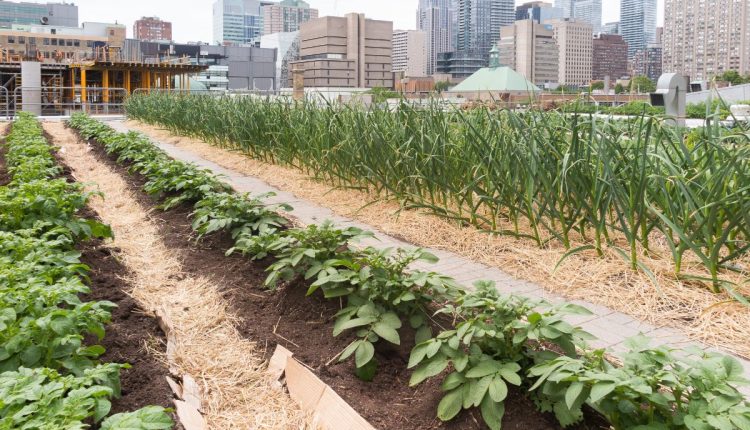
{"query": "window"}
{"type": "Point", "coordinates": [21, 39]}
{"type": "Point", "coordinates": [54, 42]}
{"type": "Point", "coordinates": [45, 41]}
{"type": "Point", "coordinates": [77, 43]}
{"type": "Point", "coordinates": [69, 42]}
{"type": "Point", "coordinates": [11, 39]}
{"type": "Point", "coordinates": [89, 43]}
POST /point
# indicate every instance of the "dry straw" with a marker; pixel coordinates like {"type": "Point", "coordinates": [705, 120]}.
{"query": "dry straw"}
{"type": "Point", "coordinates": [237, 392]}
{"type": "Point", "coordinates": [714, 319]}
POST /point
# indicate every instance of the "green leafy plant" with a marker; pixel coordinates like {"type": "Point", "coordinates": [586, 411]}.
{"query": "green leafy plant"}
{"type": "Point", "coordinates": [239, 214]}
{"type": "Point", "coordinates": [148, 418]}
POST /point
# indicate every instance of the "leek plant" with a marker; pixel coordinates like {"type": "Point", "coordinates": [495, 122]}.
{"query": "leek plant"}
{"type": "Point", "coordinates": [545, 176]}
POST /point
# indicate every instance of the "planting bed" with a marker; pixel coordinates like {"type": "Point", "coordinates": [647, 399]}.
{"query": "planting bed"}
{"type": "Point", "coordinates": [499, 341]}
{"type": "Point", "coordinates": [61, 288]}
{"type": "Point", "coordinates": [304, 325]}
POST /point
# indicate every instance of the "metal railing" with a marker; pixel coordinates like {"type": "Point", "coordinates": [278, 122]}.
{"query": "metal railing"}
{"type": "Point", "coordinates": [5, 111]}
{"type": "Point", "coordinates": [63, 101]}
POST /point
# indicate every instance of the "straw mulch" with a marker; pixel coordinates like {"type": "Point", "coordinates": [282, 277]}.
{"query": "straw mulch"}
{"type": "Point", "coordinates": [237, 392]}
{"type": "Point", "coordinates": [716, 320]}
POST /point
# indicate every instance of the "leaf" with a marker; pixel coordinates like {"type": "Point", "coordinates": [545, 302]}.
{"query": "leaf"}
{"type": "Point", "coordinates": [601, 389]}
{"type": "Point", "coordinates": [572, 394]}
{"type": "Point", "coordinates": [429, 369]}
{"type": "Point", "coordinates": [492, 413]}
{"type": "Point", "coordinates": [352, 323]}
{"type": "Point", "coordinates": [368, 371]}
{"type": "Point", "coordinates": [450, 405]}
{"type": "Point", "coordinates": [103, 407]}
{"type": "Point", "coordinates": [349, 350]}
{"type": "Point", "coordinates": [364, 353]}
{"type": "Point", "coordinates": [498, 390]}
{"type": "Point", "coordinates": [452, 381]}
{"type": "Point", "coordinates": [386, 332]}
{"type": "Point", "coordinates": [484, 368]}
{"type": "Point", "coordinates": [423, 333]}
{"type": "Point", "coordinates": [478, 391]}
{"type": "Point", "coordinates": [510, 376]}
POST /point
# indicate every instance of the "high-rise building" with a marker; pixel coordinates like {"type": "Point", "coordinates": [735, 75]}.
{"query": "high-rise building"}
{"type": "Point", "coordinates": [589, 11]}
{"type": "Point", "coordinates": [436, 18]}
{"type": "Point", "coordinates": [478, 24]}
{"type": "Point", "coordinates": [638, 23]}
{"type": "Point", "coordinates": [705, 38]}
{"type": "Point", "coordinates": [348, 51]}
{"type": "Point", "coordinates": [609, 57]}
{"type": "Point", "coordinates": [574, 44]}
{"type": "Point", "coordinates": [530, 49]}
{"type": "Point", "coordinates": [26, 13]}
{"type": "Point", "coordinates": [582, 10]}
{"type": "Point", "coordinates": [538, 11]}
{"type": "Point", "coordinates": [567, 7]}
{"type": "Point", "coordinates": [152, 28]}
{"type": "Point", "coordinates": [286, 16]}
{"type": "Point", "coordinates": [611, 28]}
{"type": "Point", "coordinates": [410, 52]}
{"type": "Point", "coordinates": [647, 62]}
{"type": "Point", "coordinates": [238, 22]}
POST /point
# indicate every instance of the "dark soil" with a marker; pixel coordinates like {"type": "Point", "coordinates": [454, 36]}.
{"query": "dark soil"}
{"type": "Point", "coordinates": [130, 330]}
{"type": "Point", "coordinates": [304, 325]}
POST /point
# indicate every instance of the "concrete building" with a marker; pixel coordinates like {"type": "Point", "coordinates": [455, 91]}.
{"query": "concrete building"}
{"type": "Point", "coordinates": [350, 52]}
{"type": "Point", "coordinates": [436, 19]}
{"type": "Point", "coordinates": [705, 38]}
{"type": "Point", "coordinates": [59, 44]}
{"type": "Point", "coordinates": [609, 57]}
{"type": "Point", "coordinates": [589, 11]}
{"type": "Point", "coordinates": [287, 51]}
{"type": "Point", "coordinates": [238, 22]}
{"type": "Point", "coordinates": [229, 67]}
{"type": "Point", "coordinates": [152, 28]}
{"type": "Point", "coordinates": [410, 53]}
{"type": "Point", "coordinates": [460, 64]}
{"type": "Point", "coordinates": [538, 11]}
{"type": "Point", "coordinates": [26, 13]}
{"type": "Point", "coordinates": [286, 16]}
{"type": "Point", "coordinates": [611, 28]}
{"type": "Point", "coordinates": [530, 49]}
{"type": "Point", "coordinates": [575, 46]}
{"type": "Point", "coordinates": [638, 23]}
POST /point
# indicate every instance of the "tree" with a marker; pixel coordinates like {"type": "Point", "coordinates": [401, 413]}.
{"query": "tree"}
{"type": "Point", "coordinates": [642, 84]}
{"type": "Point", "coordinates": [598, 85]}
{"type": "Point", "coordinates": [619, 89]}
{"type": "Point", "coordinates": [442, 86]}
{"type": "Point", "coordinates": [732, 77]}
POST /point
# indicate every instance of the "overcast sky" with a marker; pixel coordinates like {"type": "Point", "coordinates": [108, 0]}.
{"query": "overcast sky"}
{"type": "Point", "coordinates": [191, 19]}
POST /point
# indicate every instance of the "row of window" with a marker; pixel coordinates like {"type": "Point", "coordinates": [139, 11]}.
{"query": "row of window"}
{"type": "Point", "coordinates": [49, 41]}
{"type": "Point", "coordinates": [47, 54]}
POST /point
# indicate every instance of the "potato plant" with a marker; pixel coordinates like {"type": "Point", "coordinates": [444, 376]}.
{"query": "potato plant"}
{"type": "Point", "coordinates": [50, 378]}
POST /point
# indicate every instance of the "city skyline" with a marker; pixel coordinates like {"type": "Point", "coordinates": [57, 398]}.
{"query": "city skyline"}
{"type": "Point", "coordinates": [189, 26]}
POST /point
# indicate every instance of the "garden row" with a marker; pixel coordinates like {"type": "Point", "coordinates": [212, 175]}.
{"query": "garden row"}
{"type": "Point", "coordinates": [716, 110]}
{"type": "Point", "coordinates": [497, 340]}
{"type": "Point", "coordinates": [51, 378]}
{"type": "Point", "coordinates": [584, 182]}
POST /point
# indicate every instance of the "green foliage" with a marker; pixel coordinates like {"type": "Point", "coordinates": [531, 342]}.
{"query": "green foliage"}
{"type": "Point", "coordinates": [642, 85]}
{"type": "Point", "coordinates": [441, 86]}
{"type": "Point", "coordinates": [381, 95]}
{"type": "Point", "coordinates": [148, 418]}
{"type": "Point", "coordinates": [239, 214]}
{"type": "Point", "coordinates": [51, 378]}
{"type": "Point", "coordinates": [619, 89]}
{"type": "Point", "coordinates": [734, 78]}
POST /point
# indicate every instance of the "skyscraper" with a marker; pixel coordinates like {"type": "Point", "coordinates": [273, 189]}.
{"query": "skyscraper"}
{"type": "Point", "coordinates": [530, 49]}
{"type": "Point", "coordinates": [538, 11]}
{"type": "Point", "coordinates": [575, 50]}
{"type": "Point", "coordinates": [705, 38]}
{"type": "Point", "coordinates": [286, 16]}
{"type": "Point", "coordinates": [435, 18]}
{"type": "Point", "coordinates": [409, 52]}
{"type": "Point", "coordinates": [589, 11]}
{"type": "Point", "coordinates": [238, 21]}
{"type": "Point", "coordinates": [479, 23]}
{"type": "Point", "coordinates": [638, 23]}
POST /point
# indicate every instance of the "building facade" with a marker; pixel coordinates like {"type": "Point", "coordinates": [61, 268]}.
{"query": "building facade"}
{"type": "Point", "coordinates": [286, 16]}
{"type": "Point", "coordinates": [589, 11]}
{"type": "Point", "coordinates": [152, 28]}
{"type": "Point", "coordinates": [410, 53]}
{"type": "Point", "coordinates": [26, 13]}
{"type": "Point", "coordinates": [705, 38]}
{"type": "Point", "coordinates": [609, 57]}
{"type": "Point", "coordinates": [460, 64]}
{"type": "Point", "coordinates": [287, 51]}
{"type": "Point", "coordinates": [530, 49]}
{"type": "Point", "coordinates": [58, 44]}
{"type": "Point", "coordinates": [436, 19]}
{"type": "Point", "coordinates": [638, 23]}
{"type": "Point", "coordinates": [538, 11]}
{"type": "Point", "coordinates": [238, 22]}
{"type": "Point", "coordinates": [347, 52]}
{"type": "Point", "coordinates": [647, 62]}
{"type": "Point", "coordinates": [611, 28]}
{"type": "Point", "coordinates": [478, 24]}
{"type": "Point", "coordinates": [567, 7]}
{"type": "Point", "coordinates": [575, 46]}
